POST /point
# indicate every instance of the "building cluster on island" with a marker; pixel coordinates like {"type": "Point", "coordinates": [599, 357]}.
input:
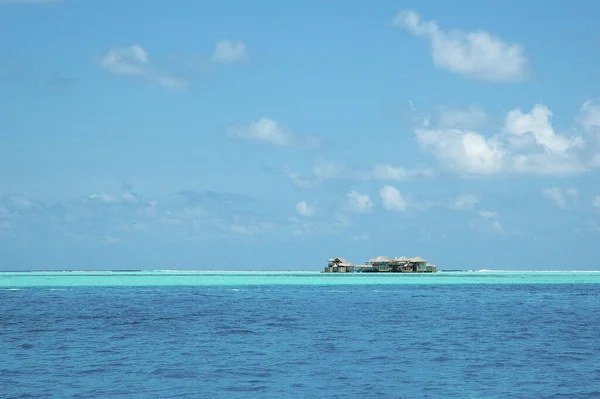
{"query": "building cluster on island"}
{"type": "Point", "coordinates": [381, 264]}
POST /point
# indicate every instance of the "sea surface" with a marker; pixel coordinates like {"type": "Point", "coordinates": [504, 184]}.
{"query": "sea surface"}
{"type": "Point", "coordinates": [170, 334]}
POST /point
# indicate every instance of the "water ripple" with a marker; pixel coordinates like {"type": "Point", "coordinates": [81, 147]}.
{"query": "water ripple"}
{"type": "Point", "coordinates": [456, 341]}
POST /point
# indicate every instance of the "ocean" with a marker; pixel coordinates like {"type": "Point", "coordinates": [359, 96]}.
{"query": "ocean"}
{"type": "Point", "coordinates": [176, 334]}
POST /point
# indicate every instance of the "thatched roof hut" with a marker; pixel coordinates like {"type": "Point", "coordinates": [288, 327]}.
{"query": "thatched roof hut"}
{"type": "Point", "coordinates": [418, 259]}
{"type": "Point", "coordinates": [379, 259]}
{"type": "Point", "coordinates": [340, 262]}
{"type": "Point", "coordinates": [344, 262]}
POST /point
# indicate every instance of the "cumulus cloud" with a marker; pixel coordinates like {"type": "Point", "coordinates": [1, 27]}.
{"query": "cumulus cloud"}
{"type": "Point", "coordinates": [134, 62]}
{"type": "Point", "coordinates": [527, 144]}
{"type": "Point", "coordinates": [463, 151]}
{"type": "Point", "coordinates": [561, 197]}
{"type": "Point", "coordinates": [477, 54]}
{"type": "Point", "coordinates": [230, 52]}
{"type": "Point", "coordinates": [537, 123]}
{"type": "Point", "coordinates": [264, 130]}
{"type": "Point", "coordinates": [269, 131]}
{"type": "Point", "coordinates": [389, 172]}
{"type": "Point", "coordinates": [358, 203]}
{"type": "Point", "coordinates": [392, 199]}
{"type": "Point", "coordinates": [589, 115]}
{"type": "Point", "coordinates": [304, 209]}
{"type": "Point", "coordinates": [596, 202]}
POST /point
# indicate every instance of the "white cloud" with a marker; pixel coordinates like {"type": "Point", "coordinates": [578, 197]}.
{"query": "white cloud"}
{"type": "Point", "coordinates": [488, 222]}
{"type": "Point", "coordinates": [265, 130]}
{"type": "Point", "coordinates": [389, 172]}
{"type": "Point", "coordinates": [107, 198]}
{"type": "Point", "coordinates": [341, 219]}
{"type": "Point", "coordinates": [392, 199]}
{"type": "Point", "coordinates": [464, 202]}
{"type": "Point", "coordinates": [322, 170]}
{"type": "Point", "coordinates": [596, 202]}
{"type": "Point", "coordinates": [129, 197]}
{"type": "Point", "coordinates": [133, 61]}
{"type": "Point", "coordinates": [463, 151]}
{"type": "Point", "coordinates": [230, 52]}
{"type": "Point", "coordinates": [527, 144]}
{"type": "Point", "coordinates": [470, 118]}
{"type": "Point", "coordinates": [537, 123]}
{"type": "Point", "coordinates": [589, 115]}
{"type": "Point", "coordinates": [103, 198]}
{"type": "Point", "coordinates": [589, 118]}
{"type": "Point", "coordinates": [561, 197]}
{"type": "Point", "coordinates": [358, 203]}
{"type": "Point", "coordinates": [118, 215]}
{"type": "Point", "coordinates": [299, 228]}
{"type": "Point", "coordinates": [297, 179]}
{"type": "Point", "coordinates": [18, 203]}
{"type": "Point", "coordinates": [489, 214]}
{"type": "Point", "coordinates": [304, 209]}
{"type": "Point", "coordinates": [268, 131]}
{"type": "Point", "coordinates": [477, 54]}
{"type": "Point", "coordinates": [325, 170]}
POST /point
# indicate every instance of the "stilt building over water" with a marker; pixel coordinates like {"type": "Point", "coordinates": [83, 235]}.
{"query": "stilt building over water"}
{"type": "Point", "coordinates": [381, 264]}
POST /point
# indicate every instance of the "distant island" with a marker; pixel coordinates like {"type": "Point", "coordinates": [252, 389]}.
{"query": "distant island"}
{"type": "Point", "coordinates": [381, 264]}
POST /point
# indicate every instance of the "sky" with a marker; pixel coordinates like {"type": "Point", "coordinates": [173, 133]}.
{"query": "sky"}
{"type": "Point", "coordinates": [272, 135]}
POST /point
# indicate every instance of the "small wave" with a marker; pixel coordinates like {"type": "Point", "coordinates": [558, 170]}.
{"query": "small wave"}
{"type": "Point", "coordinates": [246, 389]}
{"type": "Point", "coordinates": [91, 371]}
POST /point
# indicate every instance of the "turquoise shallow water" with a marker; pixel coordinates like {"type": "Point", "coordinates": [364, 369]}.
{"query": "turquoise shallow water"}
{"type": "Point", "coordinates": [299, 335]}
{"type": "Point", "coordinates": [207, 278]}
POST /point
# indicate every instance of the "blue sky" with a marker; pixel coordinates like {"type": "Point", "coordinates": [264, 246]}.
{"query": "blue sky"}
{"type": "Point", "coordinates": [274, 135]}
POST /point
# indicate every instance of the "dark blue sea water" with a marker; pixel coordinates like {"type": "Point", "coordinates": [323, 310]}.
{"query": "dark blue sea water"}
{"type": "Point", "coordinates": [414, 341]}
